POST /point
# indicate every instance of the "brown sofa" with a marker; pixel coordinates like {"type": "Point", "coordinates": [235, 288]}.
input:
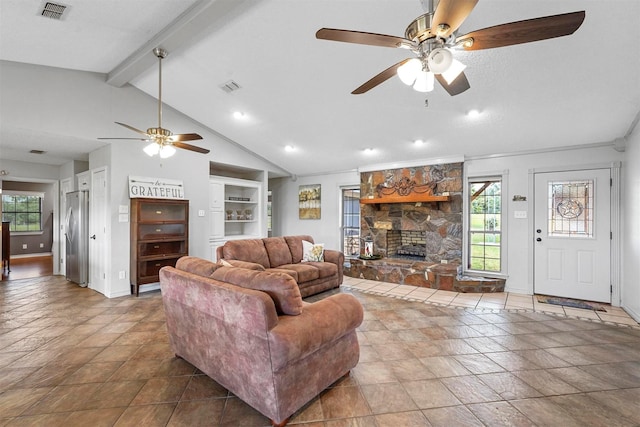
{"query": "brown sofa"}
{"type": "Point", "coordinates": [251, 332]}
{"type": "Point", "coordinates": [284, 254]}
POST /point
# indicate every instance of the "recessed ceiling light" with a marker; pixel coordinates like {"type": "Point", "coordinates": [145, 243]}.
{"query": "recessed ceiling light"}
{"type": "Point", "coordinates": [239, 115]}
{"type": "Point", "coordinates": [368, 151]}
{"type": "Point", "coordinates": [473, 113]}
{"type": "Point", "coordinates": [418, 142]}
{"type": "Point", "coordinates": [289, 148]}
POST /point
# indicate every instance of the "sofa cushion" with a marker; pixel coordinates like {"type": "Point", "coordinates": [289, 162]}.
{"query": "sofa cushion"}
{"type": "Point", "coordinates": [325, 269]}
{"type": "Point", "coordinates": [278, 251]}
{"type": "Point", "coordinates": [306, 272]}
{"type": "Point", "coordinates": [295, 246]}
{"type": "Point", "coordinates": [251, 250]}
{"type": "Point", "coordinates": [281, 287]}
{"type": "Point", "coordinates": [242, 264]}
{"type": "Point", "coordinates": [195, 265]}
{"type": "Point", "coordinates": [291, 273]}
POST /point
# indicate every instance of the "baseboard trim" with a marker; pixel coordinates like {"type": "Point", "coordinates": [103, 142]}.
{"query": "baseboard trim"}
{"type": "Point", "coordinates": [34, 255]}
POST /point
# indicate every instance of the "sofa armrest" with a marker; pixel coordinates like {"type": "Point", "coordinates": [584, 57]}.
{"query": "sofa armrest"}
{"type": "Point", "coordinates": [244, 264]}
{"type": "Point", "coordinates": [337, 258]}
{"type": "Point", "coordinates": [324, 321]}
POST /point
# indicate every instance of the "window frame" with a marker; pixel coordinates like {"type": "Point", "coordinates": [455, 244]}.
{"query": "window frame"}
{"type": "Point", "coordinates": [343, 226]}
{"type": "Point", "coordinates": [466, 247]}
{"type": "Point", "coordinates": [38, 194]}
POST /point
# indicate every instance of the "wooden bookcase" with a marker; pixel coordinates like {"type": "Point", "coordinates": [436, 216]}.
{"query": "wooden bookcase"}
{"type": "Point", "coordinates": [159, 236]}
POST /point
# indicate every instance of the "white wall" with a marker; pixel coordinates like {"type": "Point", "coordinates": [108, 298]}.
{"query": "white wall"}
{"type": "Point", "coordinates": [286, 221]}
{"type": "Point", "coordinates": [631, 227]}
{"type": "Point", "coordinates": [19, 171]}
{"type": "Point", "coordinates": [285, 207]}
{"type": "Point", "coordinates": [518, 181]}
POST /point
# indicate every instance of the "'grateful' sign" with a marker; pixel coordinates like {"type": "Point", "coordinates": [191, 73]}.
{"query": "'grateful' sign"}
{"type": "Point", "coordinates": [155, 188]}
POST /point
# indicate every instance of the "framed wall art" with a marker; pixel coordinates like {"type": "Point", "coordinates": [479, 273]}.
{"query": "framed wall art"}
{"type": "Point", "coordinates": [309, 201]}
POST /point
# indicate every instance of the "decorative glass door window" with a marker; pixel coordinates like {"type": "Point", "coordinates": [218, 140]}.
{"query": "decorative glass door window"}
{"type": "Point", "coordinates": [570, 210]}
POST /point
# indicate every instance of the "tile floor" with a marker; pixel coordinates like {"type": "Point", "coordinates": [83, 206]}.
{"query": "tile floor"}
{"type": "Point", "coordinates": [70, 357]}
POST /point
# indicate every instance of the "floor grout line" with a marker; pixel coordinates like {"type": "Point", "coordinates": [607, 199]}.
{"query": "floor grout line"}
{"type": "Point", "coordinates": [502, 304]}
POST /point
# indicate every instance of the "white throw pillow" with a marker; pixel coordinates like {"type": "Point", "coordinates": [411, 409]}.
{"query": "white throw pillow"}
{"type": "Point", "coordinates": [311, 252]}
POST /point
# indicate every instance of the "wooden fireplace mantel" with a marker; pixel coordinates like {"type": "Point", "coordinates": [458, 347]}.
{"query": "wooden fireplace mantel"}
{"type": "Point", "coordinates": [411, 198]}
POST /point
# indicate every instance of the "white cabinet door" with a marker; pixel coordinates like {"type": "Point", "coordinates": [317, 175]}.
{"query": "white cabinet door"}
{"type": "Point", "coordinates": [216, 195]}
{"type": "Point", "coordinates": [84, 180]}
{"type": "Point", "coordinates": [216, 224]}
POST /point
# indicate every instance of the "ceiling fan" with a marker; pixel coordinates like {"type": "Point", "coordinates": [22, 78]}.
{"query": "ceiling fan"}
{"type": "Point", "coordinates": [432, 37]}
{"type": "Point", "coordinates": [163, 140]}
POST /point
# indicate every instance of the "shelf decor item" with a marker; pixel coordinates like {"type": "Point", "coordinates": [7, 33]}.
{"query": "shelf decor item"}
{"type": "Point", "coordinates": [309, 201]}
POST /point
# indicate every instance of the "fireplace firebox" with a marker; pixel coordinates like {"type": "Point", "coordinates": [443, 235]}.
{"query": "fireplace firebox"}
{"type": "Point", "coordinates": [408, 244]}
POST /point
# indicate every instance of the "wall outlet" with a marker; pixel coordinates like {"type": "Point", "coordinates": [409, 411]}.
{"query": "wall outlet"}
{"type": "Point", "coordinates": [444, 261]}
{"type": "Point", "coordinates": [42, 245]}
{"type": "Point", "coordinates": [24, 246]}
{"type": "Point", "coordinates": [122, 274]}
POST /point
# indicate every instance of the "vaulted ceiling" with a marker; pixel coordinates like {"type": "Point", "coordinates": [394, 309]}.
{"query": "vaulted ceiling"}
{"type": "Point", "coordinates": [296, 90]}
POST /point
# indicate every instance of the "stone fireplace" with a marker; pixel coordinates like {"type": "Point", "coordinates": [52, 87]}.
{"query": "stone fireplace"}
{"type": "Point", "coordinates": [416, 212]}
{"type": "Point", "coordinates": [414, 218]}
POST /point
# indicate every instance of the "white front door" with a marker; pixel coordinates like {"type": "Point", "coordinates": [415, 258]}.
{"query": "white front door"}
{"type": "Point", "coordinates": [573, 234]}
{"type": "Point", "coordinates": [98, 231]}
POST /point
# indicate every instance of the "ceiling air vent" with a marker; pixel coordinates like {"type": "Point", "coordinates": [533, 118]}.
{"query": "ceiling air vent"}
{"type": "Point", "coordinates": [37, 152]}
{"type": "Point", "coordinates": [53, 10]}
{"type": "Point", "coordinates": [230, 86]}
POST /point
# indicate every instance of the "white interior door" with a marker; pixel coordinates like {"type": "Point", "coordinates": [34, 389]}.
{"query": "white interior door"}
{"type": "Point", "coordinates": [573, 234]}
{"type": "Point", "coordinates": [66, 185]}
{"type": "Point", "coordinates": [98, 231]}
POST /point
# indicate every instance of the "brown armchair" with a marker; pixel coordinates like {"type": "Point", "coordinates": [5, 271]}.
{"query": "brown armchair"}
{"type": "Point", "coordinates": [233, 326]}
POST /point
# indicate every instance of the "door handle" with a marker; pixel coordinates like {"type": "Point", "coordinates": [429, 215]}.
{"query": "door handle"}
{"type": "Point", "coordinates": [539, 239]}
{"type": "Point", "coordinates": [93, 237]}
{"type": "Point", "coordinates": [538, 231]}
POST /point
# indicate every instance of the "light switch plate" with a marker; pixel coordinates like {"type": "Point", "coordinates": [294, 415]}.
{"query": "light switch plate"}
{"type": "Point", "coordinates": [520, 214]}
{"type": "Point", "coordinates": [201, 212]}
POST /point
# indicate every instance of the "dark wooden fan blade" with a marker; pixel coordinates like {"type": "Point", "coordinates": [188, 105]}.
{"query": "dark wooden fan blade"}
{"type": "Point", "coordinates": [380, 78]}
{"type": "Point", "coordinates": [185, 137]}
{"type": "Point", "coordinates": [459, 85]}
{"type": "Point", "coordinates": [360, 37]}
{"type": "Point", "coordinates": [132, 128]}
{"type": "Point", "coordinates": [452, 13]}
{"type": "Point", "coordinates": [190, 147]}
{"type": "Point", "coordinates": [526, 31]}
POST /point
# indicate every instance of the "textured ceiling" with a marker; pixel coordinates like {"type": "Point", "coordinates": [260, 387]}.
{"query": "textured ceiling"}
{"type": "Point", "coordinates": [575, 90]}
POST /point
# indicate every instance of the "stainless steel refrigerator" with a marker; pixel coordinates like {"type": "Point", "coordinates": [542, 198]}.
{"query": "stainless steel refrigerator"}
{"type": "Point", "coordinates": [77, 237]}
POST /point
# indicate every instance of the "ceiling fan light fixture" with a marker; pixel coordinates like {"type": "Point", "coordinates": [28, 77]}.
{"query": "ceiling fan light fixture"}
{"type": "Point", "coordinates": [439, 60]}
{"type": "Point", "coordinates": [454, 71]}
{"type": "Point", "coordinates": [408, 72]}
{"type": "Point", "coordinates": [152, 149]}
{"type": "Point", "coordinates": [424, 81]}
{"type": "Point", "coordinates": [167, 151]}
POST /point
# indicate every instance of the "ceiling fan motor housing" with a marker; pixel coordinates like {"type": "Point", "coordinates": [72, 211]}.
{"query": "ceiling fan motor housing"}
{"type": "Point", "coordinates": [420, 29]}
{"type": "Point", "coordinates": [159, 132]}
